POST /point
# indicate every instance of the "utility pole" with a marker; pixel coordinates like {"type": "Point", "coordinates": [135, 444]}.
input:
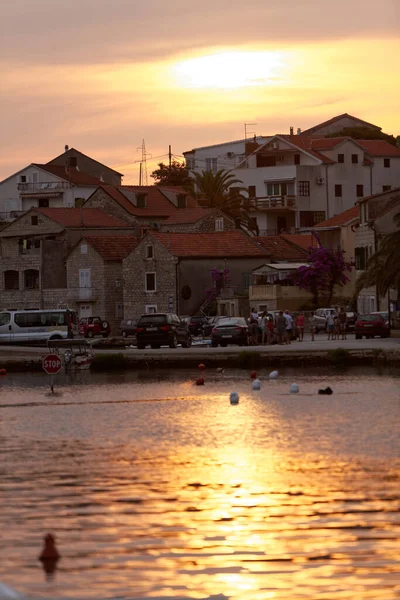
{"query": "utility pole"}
{"type": "Point", "coordinates": [143, 164]}
{"type": "Point", "coordinates": [169, 157]}
{"type": "Point", "coordinates": [246, 132]}
{"type": "Point", "coordinates": [140, 174]}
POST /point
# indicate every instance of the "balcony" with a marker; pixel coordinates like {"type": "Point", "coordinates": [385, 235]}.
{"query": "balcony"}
{"type": "Point", "coordinates": [44, 186]}
{"type": "Point", "coordinates": [287, 202]}
{"type": "Point", "coordinates": [85, 294]}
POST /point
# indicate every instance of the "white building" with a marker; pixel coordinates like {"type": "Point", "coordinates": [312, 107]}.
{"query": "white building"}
{"type": "Point", "coordinates": [296, 182]}
{"type": "Point", "coordinates": [226, 155]}
{"type": "Point", "coordinates": [44, 186]}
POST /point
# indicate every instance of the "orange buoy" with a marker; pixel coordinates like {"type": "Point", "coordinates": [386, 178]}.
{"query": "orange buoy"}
{"type": "Point", "coordinates": [3, 372]}
{"type": "Point", "coordinates": [49, 551]}
{"type": "Point", "coordinates": [200, 381]}
{"type": "Point", "coordinates": [253, 374]}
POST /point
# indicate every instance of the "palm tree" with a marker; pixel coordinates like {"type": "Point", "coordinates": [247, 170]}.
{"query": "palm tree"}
{"type": "Point", "coordinates": [383, 269]}
{"type": "Point", "coordinates": [222, 190]}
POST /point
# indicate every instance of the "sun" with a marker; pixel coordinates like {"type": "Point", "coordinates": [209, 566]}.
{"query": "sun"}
{"type": "Point", "coordinates": [230, 70]}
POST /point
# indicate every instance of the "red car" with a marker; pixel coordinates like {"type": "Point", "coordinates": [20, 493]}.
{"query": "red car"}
{"type": "Point", "coordinates": [91, 326]}
{"type": "Point", "coordinates": [370, 326]}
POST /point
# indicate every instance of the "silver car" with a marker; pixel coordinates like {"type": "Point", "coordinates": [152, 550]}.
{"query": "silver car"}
{"type": "Point", "coordinates": [321, 315]}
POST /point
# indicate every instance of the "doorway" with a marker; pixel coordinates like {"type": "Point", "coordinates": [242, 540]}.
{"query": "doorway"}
{"type": "Point", "coordinates": [85, 310]}
{"type": "Point", "coordinates": [281, 224]}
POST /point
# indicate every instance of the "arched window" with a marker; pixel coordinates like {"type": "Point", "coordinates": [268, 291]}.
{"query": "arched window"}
{"type": "Point", "coordinates": [11, 280]}
{"type": "Point", "coordinates": [31, 279]}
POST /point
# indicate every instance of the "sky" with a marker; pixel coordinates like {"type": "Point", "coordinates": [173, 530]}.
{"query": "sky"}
{"type": "Point", "coordinates": [102, 75]}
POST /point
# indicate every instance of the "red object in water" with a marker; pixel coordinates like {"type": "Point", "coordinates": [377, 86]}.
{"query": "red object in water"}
{"type": "Point", "coordinates": [253, 374]}
{"type": "Point", "coordinates": [49, 551]}
{"type": "Point", "coordinates": [3, 372]}
{"type": "Point", "coordinates": [200, 381]}
{"type": "Point", "coordinates": [202, 367]}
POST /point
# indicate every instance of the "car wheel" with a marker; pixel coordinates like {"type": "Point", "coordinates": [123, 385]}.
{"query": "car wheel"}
{"type": "Point", "coordinates": [358, 336]}
{"type": "Point", "coordinates": [174, 342]}
{"type": "Point", "coordinates": [90, 333]}
{"type": "Point", "coordinates": [140, 346]}
{"type": "Point", "coordinates": [214, 345]}
{"type": "Point", "coordinates": [56, 337]}
{"type": "Point", "coordinates": [124, 334]}
{"type": "Point", "coordinates": [104, 324]}
{"type": "Point", "coordinates": [224, 344]}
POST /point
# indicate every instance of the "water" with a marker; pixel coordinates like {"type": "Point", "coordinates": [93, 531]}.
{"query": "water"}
{"type": "Point", "coordinates": [156, 488]}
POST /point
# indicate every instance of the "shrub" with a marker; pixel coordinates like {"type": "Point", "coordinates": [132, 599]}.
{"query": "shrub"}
{"type": "Point", "coordinates": [339, 356]}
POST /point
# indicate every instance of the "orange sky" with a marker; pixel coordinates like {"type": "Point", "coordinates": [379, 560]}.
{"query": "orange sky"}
{"type": "Point", "coordinates": [102, 76]}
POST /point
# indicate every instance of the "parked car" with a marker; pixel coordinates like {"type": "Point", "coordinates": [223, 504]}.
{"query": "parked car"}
{"type": "Point", "coordinates": [384, 314]}
{"type": "Point", "coordinates": [232, 330]}
{"type": "Point", "coordinates": [196, 324]}
{"type": "Point", "coordinates": [370, 326]}
{"type": "Point", "coordinates": [91, 326]}
{"type": "Point", "coordinates": [162, 329]}
{"type": "Point", "coordinates": [211, 323]}
{"type": "Point", "coordinates": [321, 315]}
{"type": "Point", "coordinates": [127, 327]}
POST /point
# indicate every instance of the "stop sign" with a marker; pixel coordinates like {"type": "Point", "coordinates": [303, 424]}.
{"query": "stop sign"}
{"type": "Point", "coordinates": [52, 364]}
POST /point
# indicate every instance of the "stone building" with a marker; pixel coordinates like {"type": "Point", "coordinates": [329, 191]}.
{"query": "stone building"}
{"type": "Point", "coordinates": [94, 275]}
{"type": "Point", "coordinates": [33, 249]}
{"type": "Point", "coordinates": [198, 219]}
{"type": "Point", "coordinates": [172, 271]}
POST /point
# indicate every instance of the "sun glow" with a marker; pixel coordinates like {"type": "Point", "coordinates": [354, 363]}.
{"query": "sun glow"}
{"type": "Point", "coordinates": [234, 69]}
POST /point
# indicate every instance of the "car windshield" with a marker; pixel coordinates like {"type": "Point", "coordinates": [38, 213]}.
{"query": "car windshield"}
{"type": "Point", "coordinates": [152, 320]}
{"type": "Point", "coordinates": [370, 318]}
{"type": "Point", "coordinates": [231, 322]}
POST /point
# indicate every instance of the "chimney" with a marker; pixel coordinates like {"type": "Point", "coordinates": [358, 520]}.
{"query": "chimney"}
{"type": "Point", "coordinates": [298, 131]}
{"type": "Point", "coordinates": [291, 131]}
{"type": "Point", "coordinates": [66, 148]}
{"type": "Point", "coordinates": [250, 147]}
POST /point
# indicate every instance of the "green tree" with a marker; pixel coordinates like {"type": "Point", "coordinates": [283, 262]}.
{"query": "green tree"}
{"type": "Point", "coordinates": [383, 269]}
{"type": "Point", "coordinates": [176, 174]}
{"type": "Point", "coordinates": [222, 190]}
{"type": "Point", "coordinates": [364, 133]}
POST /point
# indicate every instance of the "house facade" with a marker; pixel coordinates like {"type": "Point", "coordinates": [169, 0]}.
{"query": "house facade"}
{"type": "Point", "coordinates": [75, 159]}
{"type": "Point", "coordinates": [337, 124]}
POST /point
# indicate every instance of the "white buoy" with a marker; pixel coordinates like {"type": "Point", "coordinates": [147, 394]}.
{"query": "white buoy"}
{"type": "Point", "coordinates": [273, 375]}
{"type": "Point", "coordinates": [7, 593]}
{"type": "Point", "coordinates": [294, 388]}
{"type": "Point", "coordinates": [234, 398]}
{"type": "Point", "coordinates": [256, 385]}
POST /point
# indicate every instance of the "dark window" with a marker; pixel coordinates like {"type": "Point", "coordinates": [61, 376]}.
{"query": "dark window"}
{"type": "Point", "coordinates": [150, 282]}
{"type": "Point", "coordinates": [36, 243]}
{"type": "Point", "coordinates": [360, 191]}
{"type": "Point", "coordinates": [386, 188]}
{"type": "Point", "coordinates": [11, 280]}
{"type": "Point", "coordinates": [23, 178]}
{"type": "Point", "coordinates": [141, 200]}
{"type": "Point", "coordinates": [34, 220]}
{"type": "Point", "coordinates": [297, 159]}
{"type": "Point", "coordinates": [72, 161]}
{"type": "Point", "coordinates": [266, 161]}
{"type": "Point", "coordinates": [31, 279]}
{"type": "Point", "coordinates": [386, 163]}
{"type": "Point", "coordinates": [26, 319]}
{"type": "Point", "coordinates": [360, 256]}
{"type": "Point", "coordinates": [43, 203]}
{"type": "Point", "coordinates": [150, 251]}
{"type": "Point", "coordinates": [181, 201]}
{"type": "Point", "coordinates": [309, 218]}
{"type": "Point", "coordinates": [304, 188]}
{"type": "Point", "coordinates": [5, 318]}
{"type": "Point", "coordinates": [246, 280]}
{"type": "Point", "coordinates": [354, 159]}
{"type": "Point", "coordinates": [338, 191]}
{"type": "Point", "coordinates": [252, 191]}
{"type": "Point", "coordinates": [340, 158]}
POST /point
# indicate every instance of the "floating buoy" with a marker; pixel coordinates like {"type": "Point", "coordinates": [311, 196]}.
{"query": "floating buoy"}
{"type": "Point", "coordinates": [294, 388]}
{"type": "Point", "coordinates": [202, 367]}
{"type": "Point", "coordinates": [253, 374]}
{"type": "Point", "coordinates": [49, 551]}
{"type": "Point", "coordinates": [274, 375]}
{"type": "Point", "coordinates": [256, 385]}
{"type": "Point", "coordinates": [234, 398]}
{"type": "Point", "coordinates": [327, 391]}
{"type": "Point", "coordinates": [220, 370]}
{"type": "Point", "coordinates": [200, 381]}
{"type": "Point", "coordinates": [3, 372]}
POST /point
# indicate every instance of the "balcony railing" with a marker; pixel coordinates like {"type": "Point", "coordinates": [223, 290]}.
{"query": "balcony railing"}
{"type": "Point", "coordinates": [275, 202]}
{"type": "Point", "coordinates": [44, 186]}
{"type": "Point", "coordinates": [82, 293]}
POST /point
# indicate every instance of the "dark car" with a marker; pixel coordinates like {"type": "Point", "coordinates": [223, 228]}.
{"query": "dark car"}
{"type": "Point", "coordinates": [210, 324]}
{"type": "Point", "coordinates": [127, 327]}
{"type": "Point", "coordinates": [91, 326]}
{"type": "Point", "coordinates": [162, 329]}
{"type": "Point", "coordinates": [370, 326]}
{"type": "Point", "coordinates": [196, 324]}
{"type": "Point", "coordinates": [232, 330]}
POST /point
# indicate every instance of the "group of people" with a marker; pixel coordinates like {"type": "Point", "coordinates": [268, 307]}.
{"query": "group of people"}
{"type": "Point", "coordinates": [283, 329]}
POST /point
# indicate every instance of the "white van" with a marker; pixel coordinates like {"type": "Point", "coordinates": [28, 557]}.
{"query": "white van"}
{"type": "Point", "coordinates": [37, 325]}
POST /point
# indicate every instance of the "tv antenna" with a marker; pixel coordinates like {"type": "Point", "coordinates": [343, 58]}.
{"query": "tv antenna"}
{"type": "Point", "coordinates": [247, 132]}
{"type": "Point", "coordinates": [143, 164]}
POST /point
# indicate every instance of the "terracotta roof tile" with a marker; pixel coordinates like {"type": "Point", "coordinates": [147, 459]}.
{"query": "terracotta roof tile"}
{"type": "Point", "coordinates": [191, 215]}
{"type": "Point", "coordinates": [305, 241]}
{"type": "Point", "coordinates": [85, 217]}
{"type": "Point", "coordinates": [306, 144]}
{"type": "Point", "coordinates": [379, 148]}
{"type": "Point", "coordinates": [280, 249]}
{"type": "Point", "coordinates": [234, 243]}
{"type": "Point", "coordinates": [71, 174]}
{"type": "Point", "coordinates": [341, 219]}
{"type": "Point", "coordinates": [112, 247]}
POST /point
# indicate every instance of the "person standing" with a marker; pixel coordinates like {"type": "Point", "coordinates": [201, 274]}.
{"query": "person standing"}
{"type": "Point", "coordinates": [253, 327]}
{"type": "Point", "coordinates": [264, 326]}
{"type": "Point", "coordinates": [289, 326]}
{"type": "Point", "coordinates": [342, 323]}
{"type": "Point", "coordinates": [270, 326]}
{"type": "Point", "coordinates": [330, 325]}
{"type": "Point", "coordinates": [312, 322]}
{"type": "Point", "coordinates": [281, 327]}
{"type": "Point", "coordinates": [300, 319]}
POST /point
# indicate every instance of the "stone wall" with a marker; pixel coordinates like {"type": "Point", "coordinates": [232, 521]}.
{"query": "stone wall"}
{"type": "Point", "coordinates": [113, 295]}
{"type": "Point", "coordinates": [95, 294]}
{"type": "Point", "coordinates": [206, 225]}
{"type": "Point", "coordinates": [100, 199]}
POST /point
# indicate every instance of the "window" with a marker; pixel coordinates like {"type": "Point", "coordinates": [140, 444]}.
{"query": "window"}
{"type": "Point", "coordinates": [119, 311]}
{"type": "Point", "coordinates": [150, 282]}
{"type": "Point", "coordinates": [35, 177]}
{"type": "Point", "coordinates": [83, 248]}
{"type": "Point", "coordinates": [31, 279]}
{"type": "Point", "coordinates": [340, 158]}
{"type": "Point", "coordinates": [266, 160]}
{"type": "Point", "coordinates": [34, 220]}
{"type": "Point", "coordinates": [276, 189]}
{"type": "Point", "coordinates": [11, 280]}
{"type": "Point", "coordinates": [297, 159]}
{"type": "Point", "coordinates": [190, 164]}
{"type": "Point", "coordinates": [141, 200]}
{"type": "Point", "coordinates": [181, 198]}
{"type": "Point", "coordinates": [149, 251]}
{"type": "Point", "coordinates": [211, 164]}
{"type": "Point", "coordinates": [219, 224]}
{"type": "Point", "coordinates": [22, 178]}
{"type": "Point", "coordinates": [309, 218]}
{"type": "Point", "coordinates": [252, 191]}
{"type": "Point", "coordinates": [360, 256]}
{"type": "Point", "coordinates": [36, 243]}
{"type": "Point", "coordinates": [360, 191]}
{"type": "Point", "coordinates": [338, 191]}
{"type": "Point", "coordinates": [5, 318]}
{"type": "Point", "coordinates": [386, 163]}
{"type": "Point", "coordinates": [304, 188]}
{"type": "Point", "coordinates": [354, 159]}
{"type": "Point", "coordinates": [151, 309]}
{"type": "Point", "coordinates": [43, 203]}
{"type": "Point", "coordinates": [386, 188]}
{"type": "Point", "coordinates": [117, 283]}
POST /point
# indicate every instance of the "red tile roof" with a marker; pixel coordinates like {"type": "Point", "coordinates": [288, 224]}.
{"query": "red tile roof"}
{"type": "Point", "coordinates": [279, 248]}
{"type": "Point", "coordinates": [305, 241]}
{"type": "Point", "coordinates": [306, 144]}
{"type": "Point", "coordinates": [315, 128]}
{"type": "Point", "coordinates": [191, 215]}
{"type": "Point", "coordinates": [379, 148]}
{"type": "Point", "coordinates": [233, 244]}
{"type": "Point", "coordinates": [112, 248]}
{"type": "Point", "coordinates": [85, 217]}
{"type": "Point", "coordinates": [341, 219]}
{"type": "Point", "coordinates": [71, 174]}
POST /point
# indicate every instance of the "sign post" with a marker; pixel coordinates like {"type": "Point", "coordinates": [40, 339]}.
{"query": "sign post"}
{"type": "Point", "coordinates": [52, 364]}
